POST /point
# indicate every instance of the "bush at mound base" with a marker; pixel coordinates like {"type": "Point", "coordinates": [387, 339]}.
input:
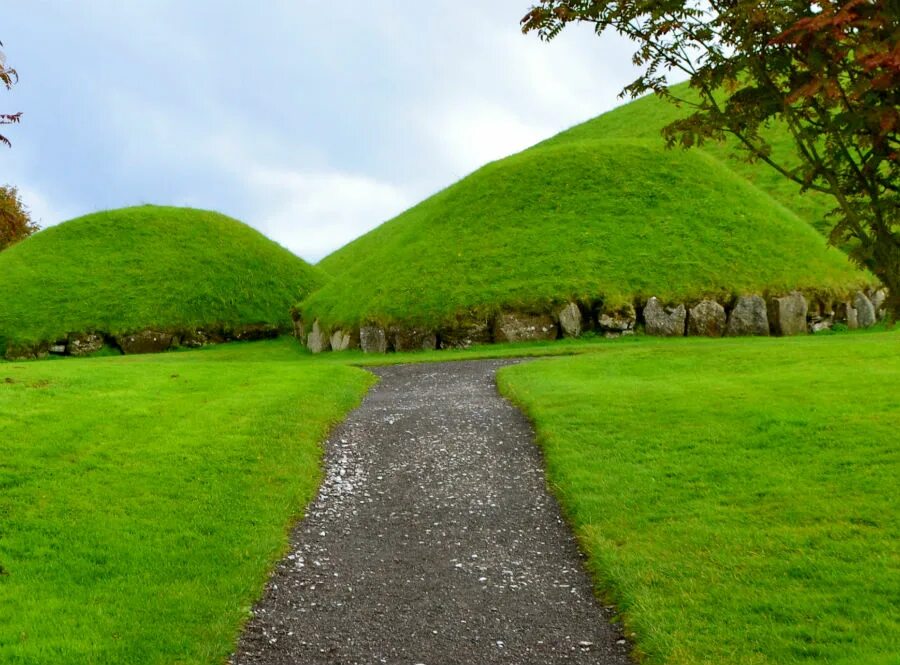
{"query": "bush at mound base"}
{"type": "Point", "coordinates": [145, 279]}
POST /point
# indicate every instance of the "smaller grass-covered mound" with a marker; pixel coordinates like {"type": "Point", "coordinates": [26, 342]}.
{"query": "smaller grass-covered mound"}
{"type": "Point", "coordinates": [585, 220]}
{"type": "Point", "coordinates": [147, 268]}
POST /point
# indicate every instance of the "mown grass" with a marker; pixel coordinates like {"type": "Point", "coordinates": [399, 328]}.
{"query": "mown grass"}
{"type": "Point", "coordinates": [737, 499]}
{"type": "Point", "coordinates": [644, 118]}
{"type": "Point", "coordinates": [144, 499]}
{"type": "Point", "coordinates": [584, 220]}
{"type": "Point", "coordinates": [147, 267]}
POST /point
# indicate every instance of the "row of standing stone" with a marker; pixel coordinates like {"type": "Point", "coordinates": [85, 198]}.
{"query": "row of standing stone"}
{"type": "Point", "coordinates": [752, 315]}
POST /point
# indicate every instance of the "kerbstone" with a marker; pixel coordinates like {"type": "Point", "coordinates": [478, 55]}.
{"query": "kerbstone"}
{"type": "Point", "coordinates": [748, 318]}
{"type": "Point", "coordinates": [787, 314]}
{"type": "Point", "coordinates": [865, 311]}
{"type": "Point", "coordinates": [521, 327]}
{"type": "Point", "coordinates": [373, 339]}
{"type": "Point", "coordinates": [317, 341]}
{"type": "Point", "coordinates": [570, 320]}
{"type": "Point", "coordinates": [661, 321]}
{"type": "Point", "coordinates": [707, 319]}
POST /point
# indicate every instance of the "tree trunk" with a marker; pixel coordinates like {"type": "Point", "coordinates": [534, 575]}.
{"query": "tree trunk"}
{"type": "Point", "coordinates": [887, 268]}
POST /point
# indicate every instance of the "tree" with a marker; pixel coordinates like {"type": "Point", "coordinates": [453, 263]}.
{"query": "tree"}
{"type": "Point", "coordinates": [828, 70]}
{"type": "Point", "coordinates": [15, 219]}
{"type": "Point", "coordinates": [8, 77]}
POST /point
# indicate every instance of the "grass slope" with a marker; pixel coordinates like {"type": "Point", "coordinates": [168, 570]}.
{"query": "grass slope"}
{"type": "Point", "coordinates": [644, 118]}
{"type": "Point", "coordinates": [147, 267]}
{"type": "Point", "coordinates": [737, 499]}
{"type": "Point", "coordinates": [143, 500]}
{"type": "Point", "coordinates": [582, 219]}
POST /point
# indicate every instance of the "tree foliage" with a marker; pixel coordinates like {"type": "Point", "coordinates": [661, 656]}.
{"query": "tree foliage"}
{"type": "Point", "coordinates": [8, 78]}
{"type": "Point", "coordinates": [828, 70]}
{"type": "Point", "coordinates": [15, 219]}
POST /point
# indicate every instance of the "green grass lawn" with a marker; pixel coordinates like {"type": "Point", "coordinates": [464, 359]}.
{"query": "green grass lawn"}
{"type": "Point", "coordinates": [127, 270]}
{"type": "Point", "coordinates": [144, 500]}
{"type": "Point", "coordinates": [737, 498]}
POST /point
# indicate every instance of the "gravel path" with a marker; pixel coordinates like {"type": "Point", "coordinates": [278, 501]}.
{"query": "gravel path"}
{"type": "Point", "coordinates": [433, 540]}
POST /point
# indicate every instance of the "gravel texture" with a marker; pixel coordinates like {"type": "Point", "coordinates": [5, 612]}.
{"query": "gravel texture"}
{"type": "Point", "coordinates": [433, 540]}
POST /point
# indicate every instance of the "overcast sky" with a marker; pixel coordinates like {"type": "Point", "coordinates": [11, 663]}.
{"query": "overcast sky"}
{"type": "Point", "coordinates": [311, 121]}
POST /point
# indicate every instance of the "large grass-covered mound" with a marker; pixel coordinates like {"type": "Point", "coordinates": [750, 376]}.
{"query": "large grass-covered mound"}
{"type": "Point", "coordinates": [584, 217]}
{"type": "Point", "coordinates": [147, 267]}
{"type": "Point", "coordinates": [644, 119]}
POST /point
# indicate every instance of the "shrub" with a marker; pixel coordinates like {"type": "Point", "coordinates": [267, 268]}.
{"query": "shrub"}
{"type": "Point", "coordinates": [15, 218]}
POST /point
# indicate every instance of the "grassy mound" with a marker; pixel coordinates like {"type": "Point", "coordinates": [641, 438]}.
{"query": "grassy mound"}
{"type": "Point", "coordinates": [644, 118]}
{"type": "Point", "coordinates": [578, 218]}
{"type": "Point", "coordinates": [127, 270]}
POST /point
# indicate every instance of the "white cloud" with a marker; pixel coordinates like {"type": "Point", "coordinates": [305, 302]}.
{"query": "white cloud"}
{"type": "Point", "coordinates": [314, 213]}
{"type": "Point", "coordinates": [45, 211]}
{"type": "Point", "coordinates": [312, 131]}
{"type": "Point", "coordinates": [468, 134]}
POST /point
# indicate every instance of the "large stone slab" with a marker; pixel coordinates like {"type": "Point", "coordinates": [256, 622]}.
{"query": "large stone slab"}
{"type": "Point", "coordinates": [342, 340]}
{"type": "Point", "coordinates": [373, 339]}
{"type": "Point", "coordinates": [617, 322]}
{"type": "Point", "coordinates": [879, 300]}
{"type": "Point", "coordinates": [34, 351]}
{"type": "Point", "coordinates": [707, 319]}
{"type": "Point", "coordinates": [571, 321]}
{"type": "Point", "coordinates": [523, 327]}
{"type": "Point", "coordinates": [146, 341]}
{"type": "Point", "coordinates": [412, 339]}
{"type": "Point", "coordinates": [865, 310]}
{"type": "Point", "coordinates": [662, 321]}
{"type": "Point", "coordinates": [748, 318]}
{"type": "Point", "coordinates": [465, 332]}
{"type": "Point", "coordinates": [787, 314]}
{"type": "Point", "coordinates": [84, 344]}
{"type": "Point", "coordinates": [317, 341]}
{"type": "Point", "coordinates": [200, 337]}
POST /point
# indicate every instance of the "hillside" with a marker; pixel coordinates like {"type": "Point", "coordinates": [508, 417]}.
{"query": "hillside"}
{"type": "Point", "coordinates": [159, 268]}
{"type": "Point", "coordinates": [578, 218]}
{"type": "Point", "coordinates": [644, 118]}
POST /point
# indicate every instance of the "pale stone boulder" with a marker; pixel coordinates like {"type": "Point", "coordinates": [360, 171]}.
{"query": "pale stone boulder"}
{"type": "Point", "coordinates": [570, 320]}
{"type": "Point", "coordinates": [787, 314]}
{"type": "Point", "coordinates": [614, 323]}
{"type": "Point", "coordinates": [373, 339]}
{"type": "Point", "coordinates": [661, 321]}
{"type": "Point", "coordinates": [749, 317]}
{"type": "Point", "coordinates": [519, 327]}
{"type": "Point", "coordinates": [707, 319]}
{"type": "Point", "coordinates": [317, 341]}
{"type": "Point", "coordinates": [865, 310]}
{"type": "Point", "coordinates": [879, 299]}
{"type": "Point", "coordinates": [341, 340]}
{"type": "Point", "coordinates": [84, 344]}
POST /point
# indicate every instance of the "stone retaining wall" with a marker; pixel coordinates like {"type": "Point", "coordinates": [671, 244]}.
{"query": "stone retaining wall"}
{"type": "Point", "coordinates": [142, 341]}
{"type": "Point", "coordinates": [781, 315]}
